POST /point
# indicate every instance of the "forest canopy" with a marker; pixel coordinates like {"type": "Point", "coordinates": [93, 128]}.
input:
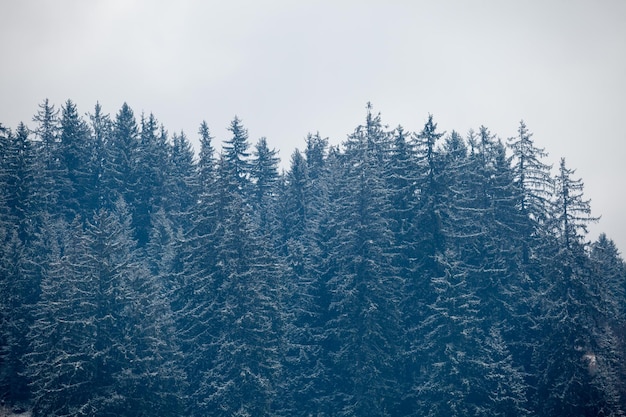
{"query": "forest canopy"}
{"type": "Point", "coordinates": [399, 273]}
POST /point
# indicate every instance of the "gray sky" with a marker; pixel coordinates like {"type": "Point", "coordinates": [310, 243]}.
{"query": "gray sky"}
{"type": "Point", "coordinates": [287, 68]}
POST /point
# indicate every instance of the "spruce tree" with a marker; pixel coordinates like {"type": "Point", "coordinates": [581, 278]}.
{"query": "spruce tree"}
{"type": "Point", "coordinates": [571, 311]}
{"type": "Point", "coordinates": [465, 367]}
{"type": "Point", "coordinates": [571, 213]}
{"type": "Point", "coordinates": [19, 178]}
{"type": "Point", "coordinates": [428, 222]}
{"type": "Point", "coordinates": [120, 171]}
{"type": "Point", "coordinates": [75, 149]}
{"type": "Point", "coordinates": [264, 174]}
{"type": "Point", "coordinates": [181, 188]}
{"type": "Point", "coordinates": [236, 157]}
{"type": "Point", "coordinates": [242, 378]}
{"type": "Point", "coordinates": [19, 288]}
{"type": "Point", "coordinates": [534, 183]}
{"type": "Point", "coordinates": [102, 339]}
{"type": "Point", "coordinates": [48, 159]}
{"type": "Point", "coordinates": [101, 128]}
{"type": "Point", "coordinates": [364, 323]}
{"type": "Point", "coordinates": [206, 157]}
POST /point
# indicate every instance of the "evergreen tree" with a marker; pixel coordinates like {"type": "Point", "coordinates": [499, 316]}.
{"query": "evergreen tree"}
{"type": "Point", "coordinates": [193, 286]}
{"type": "Point", "coordinates": [19, 183]}
{"type": "Point", "coordinates": [18, 292]}
{"type": "Point", "coordinates": [466, 368]}
{"type": "Point", "coordinates": [315, 154]}
{"type": "Point", "coordinates": [364, 327]}
{"type": "Point", "coordinates": [296, 199]}
{"type": "Point", "coordinates": [48, 159]}
{"type": "Point", "coordinates": [120, 173]}
{"type": "Point", "coordinates": [534, 183]}
{"type": "Point", "coordinates": [206, 160]}
{"type": "Point", "coordinates": [245, 329]}
{"type": "Point", "coordinates": [429, 220]}
{"type": "Point", "coordinates": [571, 212]}
{"type": "Point", "coordinates": [571, 313]}
{"type": "Point", "coordinates": [101, 131]}
{"type": "Point", "coordinates": [74, 155]}
{"type": "Point", "coordinates": [150, 172]}
{"type": "Point", "coordinates": [236, 157]}
{"type": "Point", "coordinates": [403, 185]}
{"type": "Point", "coordinates": [305, 299]}
{"type": "Point", "coordinates": [182, 182]}
{"type": "Point", "coordinates": [264, 173]}
{"type": "Point", "coordinates": [608, 284]}
{"type": "Point", "coordinates": [101, 343]}
{"type": "Point", "coordinates": [19, 220]}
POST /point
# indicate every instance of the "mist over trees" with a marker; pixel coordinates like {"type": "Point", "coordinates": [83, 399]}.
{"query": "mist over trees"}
{"type": "Point", "coordinates": [400, 273]}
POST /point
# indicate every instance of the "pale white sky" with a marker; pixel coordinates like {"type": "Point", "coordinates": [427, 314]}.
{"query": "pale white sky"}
{"type": "Point", "coordinates": [287, 68]}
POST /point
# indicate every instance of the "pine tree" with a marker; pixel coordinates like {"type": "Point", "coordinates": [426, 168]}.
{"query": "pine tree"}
{"type": "Point", "coordinates": [206, 160]}
{"type": "Point", "coordinates": [120, 173]}
{"type": "Point", "coordinates": [363, 330]}
{"type": "Point", "coordinates": [101, 131]}
{"type": "Point", "coordinates": [608, 283]}
{"type": "Point", "coordinates": [19, 220]}
{"type": "Point", "coordinates": [193, 287]}
{"type": "Point", "coordinates": [315, 154]}
{"type": "Point", "coordinates": [296, 199]}
{"type": "Point", "coordinates": [150, 173]}
{"type": "Point", "coordinates": [429, 221]}
{"type": "Point", "coordinates": [75, 151]}
{"type": "Point", "coordinates": [102, 339]}
{"type": "Point", "coordinates": [48, 159]}
{"type": "Point", "coordinates": [245, 330]}
{"type": "Point", "coordinates": [572, 213]}
{"type": "Point", "coordinates": [534, 183]}
{"type": "Point", "coordinates": [464, 367]}
{"type": "Point", "coordinates": [304, 300]}
{"type": "Point", "coordinates": [18, 292]}
{"type": "Point", "coordinates": [19, 180]}
{"type": "Point", "coordinates": [571, 311]}
{"type": "Point", "coordinates": [181, 187]}
{"type": "Point", "coordinates": [403, 183]}
{"type": "Point", "coordinates": [236, 157]}
{"type": "Point", "coordinates": [478, 216]}
{"type": "Point", "coordinates": [264, 174]}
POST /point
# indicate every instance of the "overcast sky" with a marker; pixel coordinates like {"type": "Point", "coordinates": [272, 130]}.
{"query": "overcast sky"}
{"type": "Point", "coordinates": [287, 68]}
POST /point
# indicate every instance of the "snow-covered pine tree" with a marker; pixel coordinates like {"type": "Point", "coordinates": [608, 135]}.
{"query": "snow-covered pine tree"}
{"type": "Point", "coordinates": [364, 329]}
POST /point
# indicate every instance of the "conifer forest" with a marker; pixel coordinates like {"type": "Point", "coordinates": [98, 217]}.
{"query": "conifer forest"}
{"type": "Point", "coordinates": [429, 273]}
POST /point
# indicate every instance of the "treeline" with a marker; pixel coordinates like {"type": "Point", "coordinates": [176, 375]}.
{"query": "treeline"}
{"type": "Point", "coordinates": [404, 274]}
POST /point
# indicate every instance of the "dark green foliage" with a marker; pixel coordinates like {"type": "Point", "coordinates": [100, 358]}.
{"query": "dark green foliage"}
{"type": "Point", "coordinates": [206, 157]}
{"type": "Point", "coordinates": [74, 157]}
{"type": "Point", "coordinates": [405, 274]}
{"type": "Point", "coordinates": [534, 183]}
{"type": "Point", "coordinates": [18, 291]}
{"type": "Point", "coordinates": [48, 163]}
{"type": "Point", "coordinates": [101, 130]}
{"type": "Point", "coordinates": [101, 343]}
{"type": "Point", "coordinates": [264, 173]}
{"type": "Point", "coordinates": [571, 212]}
{"type": "Point", "coordinates": [296, 199]}
{"type": "Point", "coordinates": [19, 201]}
{"type": "Point", "coordinates": [363, 331]}
{"type": "Point", "coordinates": [120, 173]}
{"type": "Point", "coordinates": [236, 161]}
{"type": "Point", "coordinates": [181, 183]}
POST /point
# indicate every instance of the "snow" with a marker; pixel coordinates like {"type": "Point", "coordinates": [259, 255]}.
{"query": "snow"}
{"type": "Point", "coordinates": [6, 412]}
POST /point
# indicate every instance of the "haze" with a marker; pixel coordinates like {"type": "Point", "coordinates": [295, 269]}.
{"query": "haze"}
{"type": "Point", "coordinates": [287, 68]}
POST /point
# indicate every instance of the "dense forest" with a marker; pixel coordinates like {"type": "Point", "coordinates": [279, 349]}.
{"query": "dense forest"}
{"type": "Point", "coordinates": [399, 273]}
